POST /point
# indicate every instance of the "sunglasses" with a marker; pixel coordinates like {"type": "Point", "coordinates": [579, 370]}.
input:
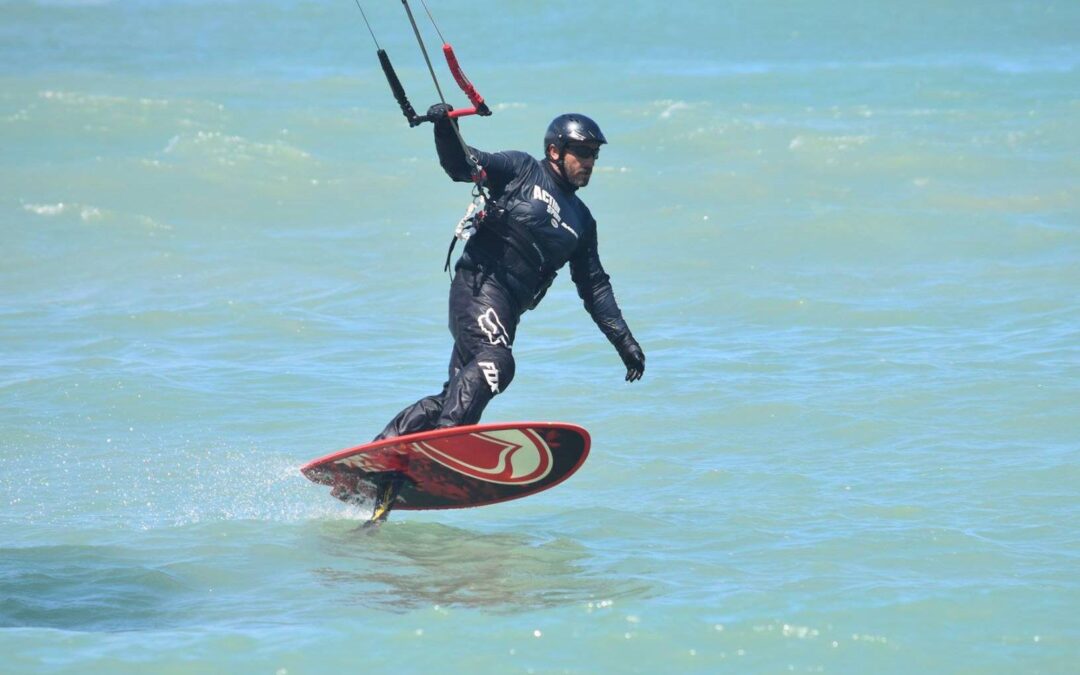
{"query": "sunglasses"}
{"type": "Point", "coordinates": [583, 151]}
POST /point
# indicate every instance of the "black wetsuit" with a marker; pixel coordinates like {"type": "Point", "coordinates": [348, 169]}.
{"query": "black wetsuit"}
{"type": "Point", "coordinates": [535, 225]}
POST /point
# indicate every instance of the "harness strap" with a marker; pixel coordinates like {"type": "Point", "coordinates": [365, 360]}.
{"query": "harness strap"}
{"type": "Point", "coordinates": [449, 254]}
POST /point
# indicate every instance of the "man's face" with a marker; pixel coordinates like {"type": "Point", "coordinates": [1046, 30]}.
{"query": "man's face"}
{"type": "Point", "coordinates": [578, 161]}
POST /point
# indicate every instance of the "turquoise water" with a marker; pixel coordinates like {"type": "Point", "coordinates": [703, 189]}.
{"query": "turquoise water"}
{"type": "Point", "coordinates": [847, 235]}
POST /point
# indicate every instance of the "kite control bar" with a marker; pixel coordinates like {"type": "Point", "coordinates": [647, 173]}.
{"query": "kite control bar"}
{"type": "Point", "coordinates": [478, 105]}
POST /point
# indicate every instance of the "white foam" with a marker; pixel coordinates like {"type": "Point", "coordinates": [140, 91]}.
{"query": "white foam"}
{"type": "Point", "coordinates": [46, 209]}
{"type": "Point", "coordinates": [673, 108]}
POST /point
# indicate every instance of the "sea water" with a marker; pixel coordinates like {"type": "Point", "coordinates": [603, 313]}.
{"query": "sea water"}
{"type": "Point", "coordinates": [847, 235]}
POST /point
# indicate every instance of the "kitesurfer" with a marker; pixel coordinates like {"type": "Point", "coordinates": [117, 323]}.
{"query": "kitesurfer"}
{"type": "Point", "coordinates": [534, 223]}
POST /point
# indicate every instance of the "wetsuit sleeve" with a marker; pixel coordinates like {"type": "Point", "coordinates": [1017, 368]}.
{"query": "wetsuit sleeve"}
{"type": "Point", "coordinates": [500, 166]}
{"type": "Point", "coordinates": [594, 287]}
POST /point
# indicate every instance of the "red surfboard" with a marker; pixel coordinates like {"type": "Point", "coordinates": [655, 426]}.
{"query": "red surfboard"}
{"type": "Point", "coordinates": [457, 467]}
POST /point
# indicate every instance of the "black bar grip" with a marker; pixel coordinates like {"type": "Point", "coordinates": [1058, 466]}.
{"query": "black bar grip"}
{"type": "Point", "coordinates": [398, 90]}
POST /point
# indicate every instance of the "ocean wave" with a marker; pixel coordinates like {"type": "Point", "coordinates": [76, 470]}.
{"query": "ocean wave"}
{"type": "Point", "coordinates": [231, 148]}
{"type": "Point", "coordinates": [86, 213]}
{"type": "Point", "coordinates": [83, 99]}
{"type": "Point", "coordinates": [1053, 62]}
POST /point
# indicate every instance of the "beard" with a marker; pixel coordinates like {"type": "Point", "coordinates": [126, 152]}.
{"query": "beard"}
{"type": "Point", "coordinates": [580, 179]}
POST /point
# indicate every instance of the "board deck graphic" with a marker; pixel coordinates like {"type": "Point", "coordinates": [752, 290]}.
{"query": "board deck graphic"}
{"type": "Point", "coordinates": [458, 467]}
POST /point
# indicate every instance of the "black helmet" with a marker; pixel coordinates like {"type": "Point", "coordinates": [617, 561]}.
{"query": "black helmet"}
{"type": "Point", "coordinates": [570, 128]}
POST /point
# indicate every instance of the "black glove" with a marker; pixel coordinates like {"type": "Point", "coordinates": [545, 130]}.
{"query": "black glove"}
{"type": "Point", "coordinates": [633, 358]}
{"type": "Point", "coordinates": [439, 113]}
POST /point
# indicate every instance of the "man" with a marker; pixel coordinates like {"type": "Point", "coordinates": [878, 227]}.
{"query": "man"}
{"type": "Point", "coordinates": [535, 223]}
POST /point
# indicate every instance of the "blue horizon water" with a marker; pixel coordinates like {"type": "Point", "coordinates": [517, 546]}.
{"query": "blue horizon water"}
{"type": "Point", "coordinates": [846, 235]}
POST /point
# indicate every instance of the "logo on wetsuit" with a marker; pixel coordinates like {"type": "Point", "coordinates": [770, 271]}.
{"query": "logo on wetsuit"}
{"type": "Point", "coordinates": [491, 325]}
{"type": "Point", "coordinates": [553, 209]}
{"type": "Point", "coordinates": [491, 374]}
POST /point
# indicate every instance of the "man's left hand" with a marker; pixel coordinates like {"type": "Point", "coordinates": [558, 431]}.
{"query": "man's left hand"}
{"type": "Point", "coordinates": [634, 360]}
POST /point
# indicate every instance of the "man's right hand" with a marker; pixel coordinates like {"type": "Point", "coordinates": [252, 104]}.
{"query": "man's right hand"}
{"type": "Point", "coordinates": [439, 112]}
